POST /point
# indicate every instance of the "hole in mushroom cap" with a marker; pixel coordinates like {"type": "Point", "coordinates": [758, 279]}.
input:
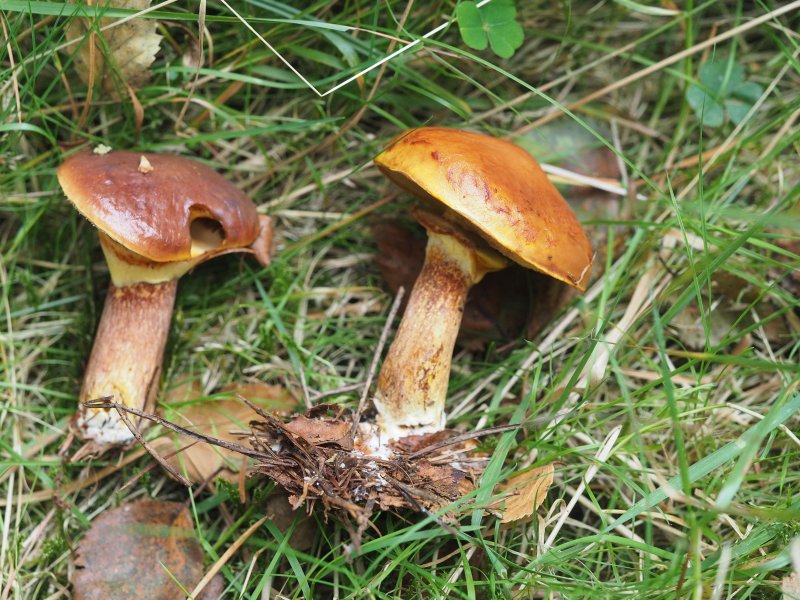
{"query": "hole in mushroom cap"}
{"type": "Point", "coordinates": [207, 234]}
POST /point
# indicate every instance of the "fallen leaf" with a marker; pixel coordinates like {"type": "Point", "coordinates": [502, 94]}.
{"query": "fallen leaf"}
{"type": "Point", "coordinates": [527, 492]}
{"type": "Point", "coordinates": [272, 398]}
{"type": "Point", "coordinates": [124, 54]}
{"type": "Point", "coordinates": [790, 586]}
{"type": "Point", "coordinates": [139, 550]}
{"type": "Point", "coordinates": [224, 417]}
{"type": "Point", "coordinates": [322, 431]}
{"type": "Point", "coordinates": [414, 443]}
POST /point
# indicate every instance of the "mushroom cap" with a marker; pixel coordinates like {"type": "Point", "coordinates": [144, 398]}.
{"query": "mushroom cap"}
{"type": "Point", "coordinates": [164, 208]}
{"type": "Point", "coordinates": [494, 188]}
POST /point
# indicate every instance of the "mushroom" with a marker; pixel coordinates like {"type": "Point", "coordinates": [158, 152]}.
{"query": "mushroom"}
{"type": "Point", "coordinates": [157, 217]}
{"type": "Point", "coordinates": [487, 202]}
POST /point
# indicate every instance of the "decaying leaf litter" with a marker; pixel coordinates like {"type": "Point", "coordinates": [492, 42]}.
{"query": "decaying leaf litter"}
{"type": "Point", "coordinates": [146, 549]}
{"type": "Point", "coordinates": [743, 388]}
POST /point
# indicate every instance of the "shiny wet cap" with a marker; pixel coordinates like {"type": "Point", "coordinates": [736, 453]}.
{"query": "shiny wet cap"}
{"type": "Point", "coordinates": [494, 188]}
{"type": "Point", "coordinates": [163, 207]}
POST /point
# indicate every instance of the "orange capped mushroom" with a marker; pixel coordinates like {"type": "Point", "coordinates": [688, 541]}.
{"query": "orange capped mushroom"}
{"type": "Point", "coordinates": [486, 201]}
{"type": "Point", "coordinates": [157, 217]}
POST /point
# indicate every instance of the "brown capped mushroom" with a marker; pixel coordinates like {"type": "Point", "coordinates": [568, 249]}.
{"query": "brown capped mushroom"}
{"type": "Point", "coordinates": [486, 201]}
{"type": "Point", "coordinates": [157, 216]}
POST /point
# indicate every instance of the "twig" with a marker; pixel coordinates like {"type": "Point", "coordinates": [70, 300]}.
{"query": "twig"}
{"type": "Point", "coordinates": [376, 357]}
{"type": "Point", "coordinates": [150, 467]}
{"type": "Point", "coordinates": [120, 408]}
{"type": "Point", "coordinates": [105, 403]}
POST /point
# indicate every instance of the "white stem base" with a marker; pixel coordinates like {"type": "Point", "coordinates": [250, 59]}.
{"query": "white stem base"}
{"type": "Point", "coordinates": [126, 358]}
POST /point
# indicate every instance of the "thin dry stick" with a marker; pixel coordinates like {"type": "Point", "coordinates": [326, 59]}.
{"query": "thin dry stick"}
{"type": "Point", "coordinates": [409, 45]}
{"type": "Point", "coordinates": [354, 120]}
{"type": "Point", "coordinates": [671, 60]}
{"type": "Point", "coordinates": [376, 357]}
{"type": "Point", "coordinates": [103, 403]}
{"type": "Point", "coordinates": [201, 26]}
{"type": "Point", "coordinates": [152, 451]}
{"type": "Point", "coordinates": [226, 557]}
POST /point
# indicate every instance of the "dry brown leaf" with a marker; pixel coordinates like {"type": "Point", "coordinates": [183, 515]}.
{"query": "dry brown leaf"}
{"type": "Point", "coordinates": [224, 418]}
{"type": "Point", "coordinates": [414, 443]}
{"type": "Point", "coordinates": [122, 554]}
{"type": "Point", "coordinates": [272, 398]}
{"type": "Point", "coordinates": [122, 57]}
{"type": "Point", "coordinates": [322, 431]}
{"type": "Point", "coordinates": [527, 492]}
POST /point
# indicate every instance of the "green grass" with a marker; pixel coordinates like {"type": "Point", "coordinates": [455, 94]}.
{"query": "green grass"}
{"type": "Point", "coordinates": [687, 434]}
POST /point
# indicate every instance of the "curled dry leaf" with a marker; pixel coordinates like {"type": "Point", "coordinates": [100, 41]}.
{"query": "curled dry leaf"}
{"type": "Point", "coordinates": [124, 54]}
{"type": "Point", "coordinates": [224, 417]}
{"type": "Point", "coordinates": [322, 431]}
{"type": "Point", "coordinates": [526, 492]}
{"type": "Point", "coordinates": [139, 550]}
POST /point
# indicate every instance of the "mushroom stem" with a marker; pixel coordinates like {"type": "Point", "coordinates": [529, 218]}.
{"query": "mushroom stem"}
{"type": "Point", "coordinates": [126, 358]}
{"type": "Point", "coordinates": [412, 385]}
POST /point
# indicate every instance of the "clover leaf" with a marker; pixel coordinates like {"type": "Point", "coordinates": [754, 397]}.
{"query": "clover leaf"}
{"type": "Point", "coordinates": [494, 23]}
{"type": "Point", "coordinates": [722, 91]}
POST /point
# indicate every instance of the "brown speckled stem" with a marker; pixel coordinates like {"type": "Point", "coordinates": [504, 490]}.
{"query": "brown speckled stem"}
{"type": "Point", "coordinates": [126, 358]}
{"type": "Point", "coordinates": [412, 385]}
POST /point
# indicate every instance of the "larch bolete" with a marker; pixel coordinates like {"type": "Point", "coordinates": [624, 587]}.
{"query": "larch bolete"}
{"type": "Point", "coordinates": [484, 202]}
{"type": "Point", "coordinates": [157, 216]}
